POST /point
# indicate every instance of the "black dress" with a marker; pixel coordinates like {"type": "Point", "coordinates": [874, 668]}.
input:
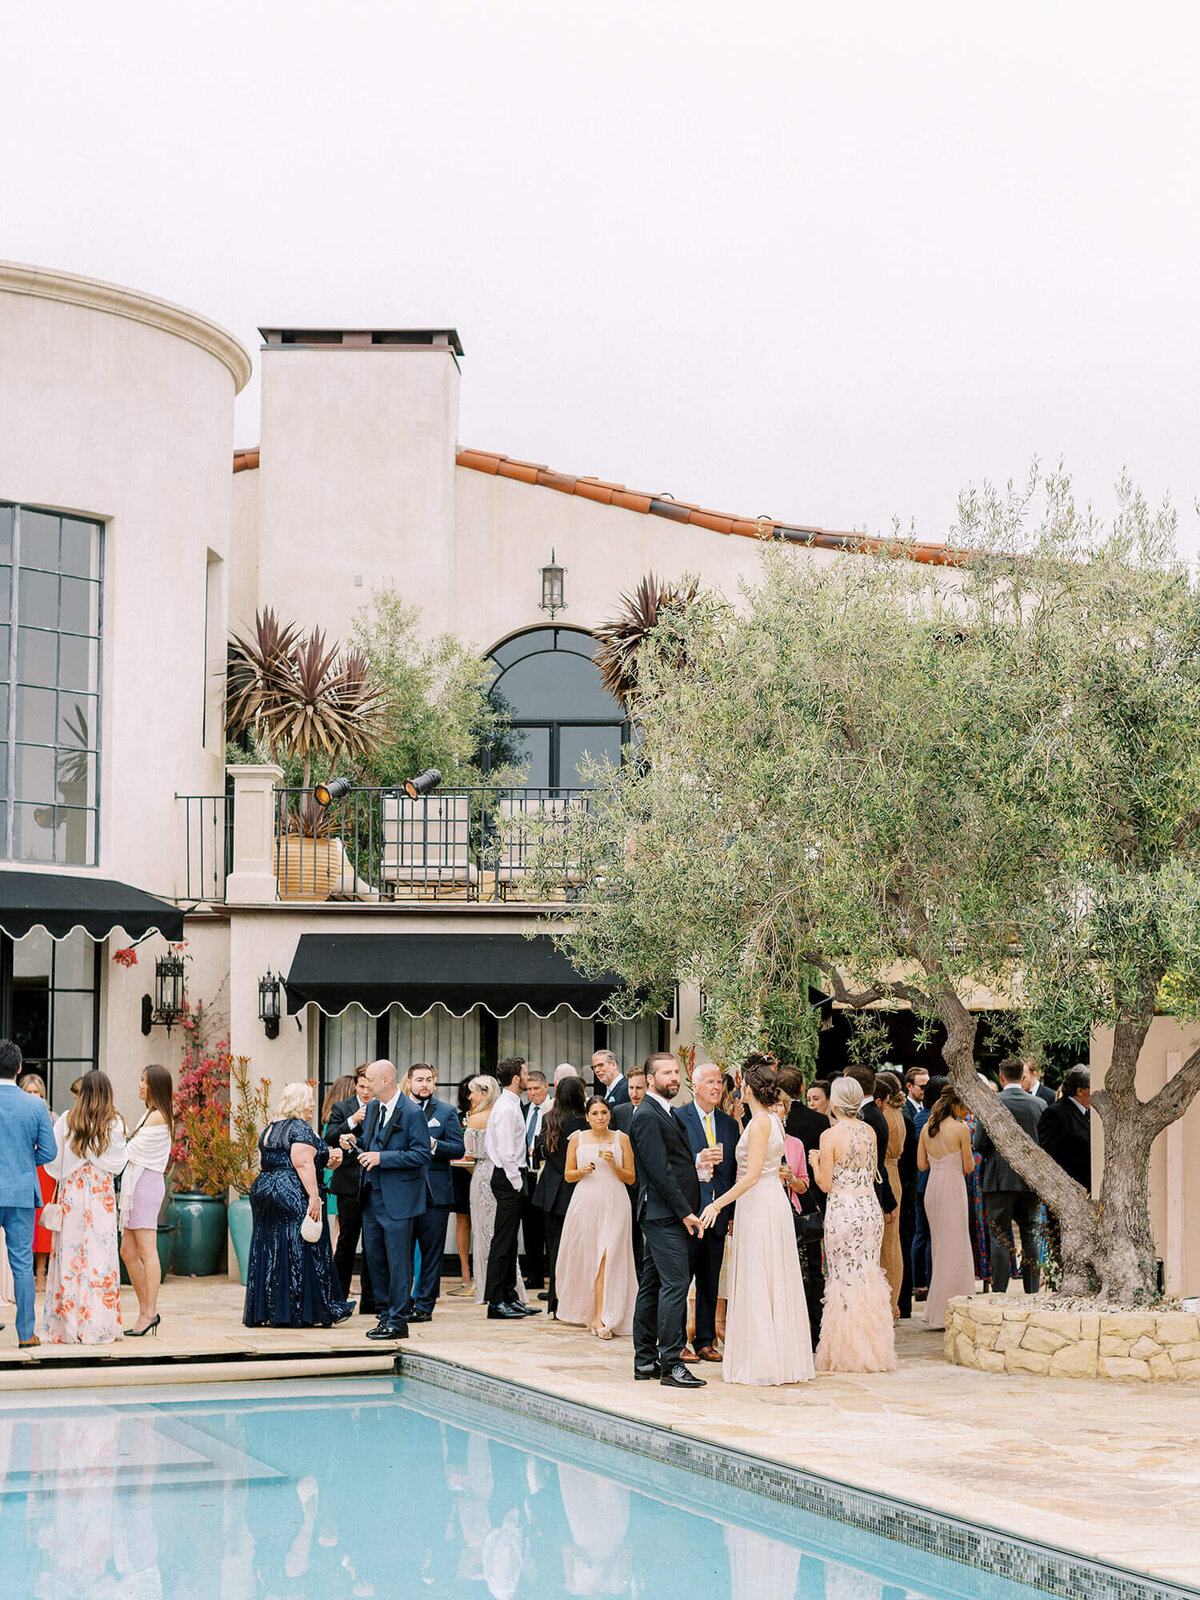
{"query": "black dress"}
{"type": "Point", "coordinates": [289, 1284]}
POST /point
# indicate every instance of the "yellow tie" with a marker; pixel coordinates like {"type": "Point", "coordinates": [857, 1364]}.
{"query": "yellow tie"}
{"type": "Point", "coordinates": [709, 1136]}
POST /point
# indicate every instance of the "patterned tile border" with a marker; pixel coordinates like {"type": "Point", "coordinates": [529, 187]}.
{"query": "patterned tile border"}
{"type": "Point", "coordinates": [1003, 1558]}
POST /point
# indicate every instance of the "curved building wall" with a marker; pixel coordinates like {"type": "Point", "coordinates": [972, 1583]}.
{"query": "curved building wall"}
{"type": "Point", "coordinates": [119, 407]}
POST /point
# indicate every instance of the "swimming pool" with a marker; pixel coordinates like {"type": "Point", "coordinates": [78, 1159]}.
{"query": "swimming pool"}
{"type": "Point", "coordinates": [390, 1488]}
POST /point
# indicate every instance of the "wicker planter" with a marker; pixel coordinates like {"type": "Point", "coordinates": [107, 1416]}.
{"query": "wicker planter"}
{"type": "Point", "coordinates": [310, 869]}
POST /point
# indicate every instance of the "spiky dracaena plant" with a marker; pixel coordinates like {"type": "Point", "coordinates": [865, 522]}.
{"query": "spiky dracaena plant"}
{"type": "Point", "coordinates": [644, 621]}
{"type": "Point", "coordinates": [302, 697]}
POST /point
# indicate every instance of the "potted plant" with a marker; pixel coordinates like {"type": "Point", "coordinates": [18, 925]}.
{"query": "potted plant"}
{"type": "Point", "coordinates": [249, 1114]}
{"type": "Point", "coordinates": [204, 1156]}
{"type": "Point", "coordinates": [299, 698]}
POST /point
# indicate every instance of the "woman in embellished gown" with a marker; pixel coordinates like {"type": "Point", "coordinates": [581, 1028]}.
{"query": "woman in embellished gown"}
{"type": "Point", "coordinates": [290, 1283]}
{"type": "Point", "coordinates": [767, 1339]}
{"type": "Point", "coordinates": [595, 1278]}
{"type": "Point", "coordinates": [857, 1330]}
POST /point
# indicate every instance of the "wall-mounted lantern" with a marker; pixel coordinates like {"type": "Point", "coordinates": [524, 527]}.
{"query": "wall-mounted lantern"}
{"type": "Point", "coordinates": [269, 1003]}
{"type": "Point", "coordinates": [554, 596]}
{"type": "Point", "coordinates": [169, 1001]}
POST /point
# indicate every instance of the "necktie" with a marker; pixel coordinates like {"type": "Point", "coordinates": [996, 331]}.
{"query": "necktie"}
{"type": "Point", "coordinates": [709, 1134]}
{"type": "Point", "coordinates": [380, 1127]}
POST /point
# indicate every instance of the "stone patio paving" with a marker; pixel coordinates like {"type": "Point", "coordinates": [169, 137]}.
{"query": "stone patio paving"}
{"type": "Point", "coordinates": [1110, 1470]}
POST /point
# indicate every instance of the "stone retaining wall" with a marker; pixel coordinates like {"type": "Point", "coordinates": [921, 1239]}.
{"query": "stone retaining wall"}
{"type": "Point", "coordinates": [993, 1333]}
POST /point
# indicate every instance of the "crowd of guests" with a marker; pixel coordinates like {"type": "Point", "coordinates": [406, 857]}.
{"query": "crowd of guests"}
{"type": "Point", "coordinates": [59, 1210]}
{"type": "Point", "coordinates": [798, 1223]}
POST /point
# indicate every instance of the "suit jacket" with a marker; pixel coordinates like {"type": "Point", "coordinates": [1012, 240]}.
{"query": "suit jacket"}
{"type": "Point", "coordinates": [807, 1126]}
{"type": "Point", "coordinates": [441, 1119]}
{"type": "Point", "coordinates": [725, 1174]}
{"type": "Point", "coordinates": [1065, 1132]}
{"type": "Point", "coordinates": [995, 1175]}
{"type": "Point", "coordinates": [553, 1192]}
{"type": "Point", "coordinates": [1046, 1095]}
{"type": "Point", "coordinates": [617, 1094]}
{"type": "Point", "coordinates": [346, 1178]}
{"type": "Point", "coordinates": [397, 1184]}
{"type": "Point", "coordinates": [908, 1156]}
{"type": "Point", "coordinates": [670, 1185]}
{"type": "Point", "coordinates": [622, 1117]}
{"type": "Point", "coordinates": [27, 1142]}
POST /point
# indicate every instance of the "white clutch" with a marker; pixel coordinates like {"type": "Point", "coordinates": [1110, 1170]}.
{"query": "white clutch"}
{"type": "Point", "coordinates": [51, 1218]}
{"type": "Point", "coordinates": [310, 1229]}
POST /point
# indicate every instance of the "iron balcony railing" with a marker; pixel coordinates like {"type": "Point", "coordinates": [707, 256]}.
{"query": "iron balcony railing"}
{"type": "Point", "coordinates": [208, 828]}
{"type": "Point", "coordinates": [375, 844]}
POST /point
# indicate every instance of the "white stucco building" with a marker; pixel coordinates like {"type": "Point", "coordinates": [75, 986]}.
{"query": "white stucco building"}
{"type": "Point", "coordinates": [133, 539]}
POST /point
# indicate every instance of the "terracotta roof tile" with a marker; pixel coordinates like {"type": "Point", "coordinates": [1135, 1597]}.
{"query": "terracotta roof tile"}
{"type": "Point", "coordinates": [616, 494]}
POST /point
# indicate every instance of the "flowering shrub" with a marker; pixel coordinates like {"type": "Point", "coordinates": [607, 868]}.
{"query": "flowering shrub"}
{"type": "Point", "coordinates": [126, 957]}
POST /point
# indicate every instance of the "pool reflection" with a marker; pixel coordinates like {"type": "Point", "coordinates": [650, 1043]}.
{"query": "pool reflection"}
{"type": "Point", "coordinates": [365, 1496]}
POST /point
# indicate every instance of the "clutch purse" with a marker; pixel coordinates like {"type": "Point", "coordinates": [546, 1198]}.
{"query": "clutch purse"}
{"type": "Point", "coordinates": [310, 1229]}
{"type": "Point", "coordinates": [51, 1218]}
{"type": "Point", "coordinates": [810, 1227]}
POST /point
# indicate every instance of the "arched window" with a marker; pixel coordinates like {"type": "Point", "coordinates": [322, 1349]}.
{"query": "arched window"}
{"type": "Point", "coordinates": [561, 713]}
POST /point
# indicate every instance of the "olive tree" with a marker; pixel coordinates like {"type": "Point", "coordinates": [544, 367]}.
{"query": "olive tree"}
{"type": "Point", "coordinates": [927, 783]}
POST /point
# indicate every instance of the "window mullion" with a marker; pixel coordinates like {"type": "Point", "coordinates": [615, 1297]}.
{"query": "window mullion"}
{"type": "Point", "coordinates": [10, 732]}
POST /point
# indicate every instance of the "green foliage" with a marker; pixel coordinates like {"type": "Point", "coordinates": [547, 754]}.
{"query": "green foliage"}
{"type": "Point", "coordinates": [435, 692]}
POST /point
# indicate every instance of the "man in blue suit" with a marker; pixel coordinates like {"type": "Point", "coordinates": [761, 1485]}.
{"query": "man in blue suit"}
{"type": "Point", "coordinates": [707, 1129]}
{"type": "Point", "coordinates": [429, 1229]}
{"type": "Point", "coordinates": [27, 1142]}
{"type": "Point", "coordinates": [394, 1155]}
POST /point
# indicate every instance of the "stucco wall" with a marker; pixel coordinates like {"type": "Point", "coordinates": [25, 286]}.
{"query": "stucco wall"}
{"type": "Point", "coordinates": [131, 421]}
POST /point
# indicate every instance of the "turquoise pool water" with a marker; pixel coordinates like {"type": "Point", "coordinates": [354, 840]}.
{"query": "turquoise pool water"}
{"type": "Point", "coordinates": [390, 1488]}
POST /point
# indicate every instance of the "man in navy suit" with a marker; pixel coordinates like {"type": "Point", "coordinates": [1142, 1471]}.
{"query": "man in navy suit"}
{"type": "Point", "coordinates": [394, 1155]}
{"type": "Point", "coordinates": [27, 1142]}
{"type": "Point", "coordinates": [429, 1229]}
{"type": "Point", "coordinates": [609, 1079]}
{"type": "Point", "coordinates": [708, 1130]}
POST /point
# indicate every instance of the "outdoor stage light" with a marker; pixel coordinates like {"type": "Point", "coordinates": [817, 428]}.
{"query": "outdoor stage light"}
{"type": "Point", "coordinates": [331, 789]}
{"type": "Point", "coordinates": [553, 590]}
{"type": "Point", "coordinates": [269, 988]}
{"type": "Point", "coordinates": [424, 783]}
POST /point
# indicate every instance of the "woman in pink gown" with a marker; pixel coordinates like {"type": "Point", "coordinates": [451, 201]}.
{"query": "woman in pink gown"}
{"type": "Point", "coordinates": [767, 1338]}
{"type": "Point", "coordinates": [595, 1276]}
{"type": "Point", "coordinates": [857, 1331]}
{"type": "Point", "coordinates": [945, 1153]}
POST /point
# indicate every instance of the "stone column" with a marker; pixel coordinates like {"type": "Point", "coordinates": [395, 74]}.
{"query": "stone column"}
{"type": "Point", "coordinates": [252, 881]}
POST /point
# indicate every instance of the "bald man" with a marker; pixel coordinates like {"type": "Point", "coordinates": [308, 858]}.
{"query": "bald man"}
{"type": "Point", "coordinates": [394, 1156]}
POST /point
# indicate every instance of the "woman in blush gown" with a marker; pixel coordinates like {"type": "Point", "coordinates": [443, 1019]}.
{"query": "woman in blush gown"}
{"type": "Point", "coordinates": [289, 1282]}
{"type": "Point", "coordinates": [945, 1153]}
{"type": "Point", "coordinates": [595, 1278]}
{"type": "Point", "coordinates": [857, 1330]}
{"type": "Point", "coordinates": [767, 1339]}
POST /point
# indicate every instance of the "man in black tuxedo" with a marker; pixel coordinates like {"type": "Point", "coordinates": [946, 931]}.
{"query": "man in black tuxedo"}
{"type": "Point", "coordinates": [622, 1120]}
{"type": "Point", "coordinates": [807, 1126]}
{"type": "Point", "coordinates": [915, 1080]}
{"type": "Point", "coordinates": [1031, 1081]}
{"type": "Point", "coordinates": [877, 1122]}
{"type": "Point", "coordinates": [533, 1218]}
{"type": "Point", "coordinates": [1006, 1195]}
{"type": "Point", "coordinates": [713, 1136]}
{"type": "Point", "coordinates": [670, 1199]}
{"type": "Point", "coordinates": [610, 1083]}
{"type": "Point", "coordinates": [1065, 1129]}
{"type": "Point", "coordinates": [446, 1144]}
{"type": "Point", "coordinates": [394, 1154]}
{"type": "Point", "coordinates": [344, 1125]}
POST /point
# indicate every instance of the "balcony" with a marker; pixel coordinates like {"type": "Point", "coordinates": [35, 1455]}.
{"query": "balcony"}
{"type": "Point", "coordinates": [374, 845]}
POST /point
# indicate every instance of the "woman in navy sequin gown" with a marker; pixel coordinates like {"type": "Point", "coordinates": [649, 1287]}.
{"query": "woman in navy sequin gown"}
{"type": "Point", "coordinates": [291, 1284]}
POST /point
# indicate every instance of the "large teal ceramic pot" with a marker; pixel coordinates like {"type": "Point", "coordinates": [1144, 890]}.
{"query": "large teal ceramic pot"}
{"type": "Point", "coordinates": [200, 1233]}
{"type": "Point", "coordinates": [241, 1226]}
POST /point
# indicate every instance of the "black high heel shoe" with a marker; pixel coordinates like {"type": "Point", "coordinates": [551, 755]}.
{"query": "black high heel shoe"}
{"type": "Point", "coordinates": [140, 1333]}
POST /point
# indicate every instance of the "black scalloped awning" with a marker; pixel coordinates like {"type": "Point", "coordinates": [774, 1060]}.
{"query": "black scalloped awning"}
{"type": "Point", "coordinates": [457, 970]}
{"type": "Point", "coordinates": [59, 903]}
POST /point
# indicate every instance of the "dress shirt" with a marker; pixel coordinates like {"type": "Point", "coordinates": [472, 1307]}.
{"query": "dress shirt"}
{"type": "Point", "coordinates": [386, 1107]}
{"type": "Point", "coordinates": [653, 1094]}
{"type": "Point", "coordinates": [709, 1128]}
{"type": "Point", "coordinates": [504, 1141]}
{"type": "Point", "coordinates": [610, 1087]}
{"type": "Point", "coordinates": [533, 1121]}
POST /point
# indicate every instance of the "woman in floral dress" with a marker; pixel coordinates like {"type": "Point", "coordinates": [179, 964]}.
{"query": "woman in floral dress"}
{"type": "Point", "coordinates": [857, 1331]}
{"type": "Point", "coordinates": [83, 1286]}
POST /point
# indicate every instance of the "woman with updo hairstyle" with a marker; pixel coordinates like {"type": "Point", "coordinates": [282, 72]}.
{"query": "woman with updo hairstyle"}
{"type": "Point", "coordinates": [291, 1283]}
{"type": "Point", "coordinates": [857, 1330]}
{"type": "Point", "coordinates": [766, 1323]}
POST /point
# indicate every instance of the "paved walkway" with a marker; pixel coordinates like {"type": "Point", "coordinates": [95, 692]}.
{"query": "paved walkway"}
{"type": "Point", "coordinates": [1110, 1470]}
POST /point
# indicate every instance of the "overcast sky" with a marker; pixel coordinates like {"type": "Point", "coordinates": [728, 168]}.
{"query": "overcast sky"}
{"type": "Point", "coordinates": [829, 262]}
